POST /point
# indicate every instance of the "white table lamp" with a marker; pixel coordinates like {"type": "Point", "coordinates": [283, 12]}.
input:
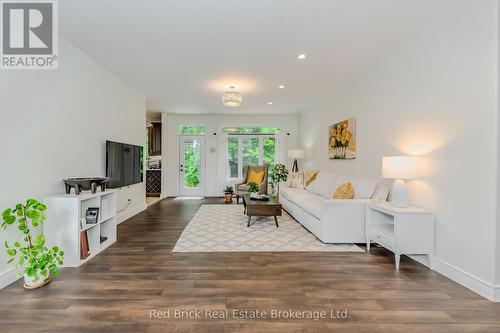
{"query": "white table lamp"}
{"type": "Point", "coordinates": [400, 168]}
{"type": "Point", "coordinates": [295, 154]}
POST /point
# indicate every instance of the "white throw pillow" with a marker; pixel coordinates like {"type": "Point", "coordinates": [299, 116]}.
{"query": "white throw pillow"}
{"type": "Point", "coordinates": [363, 187]}
{"type": "Point", "coordinates": [381, 192]}
{"type": "Point", "coordinates": [324, 184]}
{"type": "Point", "coordinates": [296, 179]}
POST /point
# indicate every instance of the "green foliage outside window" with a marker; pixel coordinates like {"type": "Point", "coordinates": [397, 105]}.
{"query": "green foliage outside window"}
{"type": "Point", "coordinates": [250, 147]}
{"type": "Point", "coordinates": [192, 130]}
{"type": "Point", "coordinates": [191, 165]}
{"type": "Point", "coordinates": [252, 130]}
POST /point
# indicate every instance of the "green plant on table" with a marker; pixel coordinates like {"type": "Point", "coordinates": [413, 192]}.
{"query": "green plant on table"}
{"type": "Point", "coordinates": [38, 261]}
{"type": "Point", "coordinates": [253, 187]}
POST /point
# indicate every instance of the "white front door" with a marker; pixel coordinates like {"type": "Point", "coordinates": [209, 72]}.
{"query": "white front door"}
{"type": "Point", "coordinates": [192, 166]}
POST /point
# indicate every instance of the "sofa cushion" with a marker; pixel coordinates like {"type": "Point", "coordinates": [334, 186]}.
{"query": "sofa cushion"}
{"type": "Point", "coordinates": [306, 200]}
{"type": "Point", "coordinates": [255, 177]}
{"type": "Point", "coordinates": [324, 184]}
{"type": "Point", "coordinates": [344, 191]}
{"type": "Point", "coordinates": [381, 192]}
{"type": "Point", "coordinates": [309, 176]}
{"type": "Point", "coordinates": [363, 187]}
{"type": "Point", "coordinates": [296, 179]}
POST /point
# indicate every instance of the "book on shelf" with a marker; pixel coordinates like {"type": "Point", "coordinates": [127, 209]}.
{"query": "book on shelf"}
{"type": "Point", "coordinates": [84, 245]}
{"type": "Point", "coordinates": [103, 239]}
{"type": "Point", "coordinates": [91, 215]}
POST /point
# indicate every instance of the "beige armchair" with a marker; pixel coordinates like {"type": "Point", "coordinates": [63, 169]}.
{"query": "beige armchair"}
{"type": "Point", "coordinates": [242, 187]}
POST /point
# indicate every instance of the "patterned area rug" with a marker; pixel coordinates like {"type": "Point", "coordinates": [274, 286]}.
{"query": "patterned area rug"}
{"type": "Point", "coordinates": [223, 228]}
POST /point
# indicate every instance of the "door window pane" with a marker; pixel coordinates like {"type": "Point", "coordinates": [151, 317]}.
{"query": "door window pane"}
{"type": "Point", "coordinates": [250, 151]}
{"type": "Point", "coordinates": [269, 147]}
{"type": "Point", "coordinates": [191, 163]}
{"type": "Point", "coordinates": [233, 157]}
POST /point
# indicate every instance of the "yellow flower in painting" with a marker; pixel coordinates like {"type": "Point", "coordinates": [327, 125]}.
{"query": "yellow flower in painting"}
{"type": "Point", "coordinates": [339, 137]}
{"type": "Point", "coordinates": [344, 140]}
{"type": "Point", "coordinates": [345, 123]}
{"type": "Point", "coordinates": [344, 132]}
{"type": "Point", "coordinates": [339, 128]}
{"type": "Point", "coordinates": [333, 133]}
{"type": "Point", "coordinates": [349, 136]}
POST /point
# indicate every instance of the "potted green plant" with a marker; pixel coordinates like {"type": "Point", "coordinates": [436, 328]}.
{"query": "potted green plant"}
{"type": "Point", "coordinates": [39, 263]}
{"type": "Point", "coordinates": [253, 189]}
{"type": "Point", "coordinates": [228, 194]}
{"type": "Point", "coordinates": [279, 173]}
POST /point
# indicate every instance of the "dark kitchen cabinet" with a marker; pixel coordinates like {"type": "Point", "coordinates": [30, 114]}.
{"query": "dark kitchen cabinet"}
{"type": "Point", "coordinates": [154, 139]}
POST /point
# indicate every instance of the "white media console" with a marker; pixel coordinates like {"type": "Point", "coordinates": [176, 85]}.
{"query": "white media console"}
{"type": "Point", "coordinates": [66, 220]}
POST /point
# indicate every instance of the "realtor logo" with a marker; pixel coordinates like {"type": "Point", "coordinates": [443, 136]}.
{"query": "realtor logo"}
{"type": "Point", "coordinates": [29, 36]}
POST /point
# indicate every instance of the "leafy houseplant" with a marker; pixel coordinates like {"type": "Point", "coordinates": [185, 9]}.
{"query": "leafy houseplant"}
{"type": "Point", "coordinates": [279, 173]}
{"type": "Point", "coordinates": [253, 189]}
{"type": "Point", "coordinates": [228, 194]}
{"type": "Point", "coordinates": [38, 261]}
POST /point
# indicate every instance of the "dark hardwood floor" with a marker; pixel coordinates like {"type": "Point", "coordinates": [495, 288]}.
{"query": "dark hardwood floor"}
{"type": "Point", "coordinates": [115, 291]}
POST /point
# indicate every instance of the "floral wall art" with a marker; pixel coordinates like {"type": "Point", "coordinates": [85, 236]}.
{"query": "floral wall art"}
{"type": "Point", "coordinates": [342, 140]}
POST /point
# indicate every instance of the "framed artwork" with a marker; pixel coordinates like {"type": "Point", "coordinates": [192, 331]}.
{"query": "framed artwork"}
{"type": "Point", "coordinates": [342, 140]}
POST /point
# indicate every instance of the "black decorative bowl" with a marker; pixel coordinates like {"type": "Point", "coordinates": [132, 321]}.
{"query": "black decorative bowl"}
{"type": "Point", "coordinates": [85, 184]}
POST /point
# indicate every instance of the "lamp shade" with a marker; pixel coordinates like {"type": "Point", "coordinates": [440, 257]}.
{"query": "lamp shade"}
{"type": "Point", "coordinates": [400, 167]}
{"type": "Point", "coordinates": [296, 154]}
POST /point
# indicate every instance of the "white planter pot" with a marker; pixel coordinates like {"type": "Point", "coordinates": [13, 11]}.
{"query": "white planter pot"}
{"type": "Point", "coordinates": [29, 281]}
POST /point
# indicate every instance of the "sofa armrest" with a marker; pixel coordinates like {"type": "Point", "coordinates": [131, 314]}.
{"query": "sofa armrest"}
{"type": "Point", "coordinates": [344, 220]}
{"type": "Point", "coordinates": [283, 184]}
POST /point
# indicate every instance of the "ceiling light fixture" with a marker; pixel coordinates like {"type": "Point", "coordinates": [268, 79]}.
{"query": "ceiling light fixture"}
{"type": "Point", "coordinates": [232, 98]}
{"type": "Point", "coordinates": [270, 103]}
{"type": "Point", "coordinates": [301, 56]}
{"type": "Point", "coordinates": [281, 87]}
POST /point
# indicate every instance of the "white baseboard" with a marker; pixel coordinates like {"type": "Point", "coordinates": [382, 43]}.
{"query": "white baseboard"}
{"type": "Point", "coordinates": [125, 215]}
{"type": "Point", "coordinates": [9, 276]}
{"type": "Point", "coordinates": [477, 285]}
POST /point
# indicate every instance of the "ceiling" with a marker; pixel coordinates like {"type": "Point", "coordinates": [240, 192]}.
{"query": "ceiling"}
{"type": "Point", "coordinates": [183, 54]}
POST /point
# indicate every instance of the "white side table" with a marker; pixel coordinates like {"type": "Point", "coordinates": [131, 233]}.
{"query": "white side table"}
{"type": "Point", "coordinates": [408, 230]}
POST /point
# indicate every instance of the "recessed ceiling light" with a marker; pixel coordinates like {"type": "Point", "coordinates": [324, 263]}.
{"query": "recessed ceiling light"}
{"type": "Point", "coordinates": [270, 103]}
{"type": "Point", "coordinates": [281, 87]}
{"type": "Point", "coordinates": [301, 56]}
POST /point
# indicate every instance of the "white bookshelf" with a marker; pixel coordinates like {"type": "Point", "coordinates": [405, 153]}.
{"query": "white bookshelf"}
{"type": "Point", "coordinates": [66, 220]}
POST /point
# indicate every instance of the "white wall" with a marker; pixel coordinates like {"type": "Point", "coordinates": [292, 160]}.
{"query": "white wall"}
{"type": "Point", "coordinates": [213, 123]}
{"type": "Point", "coordinates": [435, 95]}
{"type": "Point", "coordinates": [54, 124]}
{"type": "Point", "coordinates": [497, 252]}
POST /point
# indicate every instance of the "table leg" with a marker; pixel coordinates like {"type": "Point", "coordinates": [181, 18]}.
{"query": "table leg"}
{"type": "Point", "coordinates": [397, 259]}
{"type": "Point", "coordinates": [249, 218]}
{"type": "Point", "coordinates": [276, 221]}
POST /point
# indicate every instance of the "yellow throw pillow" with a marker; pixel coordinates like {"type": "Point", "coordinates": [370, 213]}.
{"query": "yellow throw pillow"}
{"type": "Point", "coordinates": [309, 176]}
{"type": "Point", "coordinates": [255, 177]}
{"type": "Point", "coordinates": [344, 191]}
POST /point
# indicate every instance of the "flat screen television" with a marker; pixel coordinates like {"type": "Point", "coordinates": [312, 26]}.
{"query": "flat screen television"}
{"type": "Point", "coordinates": [124, 164]}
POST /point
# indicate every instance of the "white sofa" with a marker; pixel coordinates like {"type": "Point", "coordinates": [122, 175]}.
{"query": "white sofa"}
{"type": "Point", "coordinates": [332, 220]}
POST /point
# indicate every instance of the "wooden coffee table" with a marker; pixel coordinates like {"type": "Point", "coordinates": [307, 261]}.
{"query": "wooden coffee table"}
{"type": "Point", "coordinates": [269, 207]}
